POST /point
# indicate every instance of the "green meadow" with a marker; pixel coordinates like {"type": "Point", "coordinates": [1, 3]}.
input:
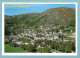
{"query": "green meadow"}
{"type": "Point", "coordinates": [9, 49]}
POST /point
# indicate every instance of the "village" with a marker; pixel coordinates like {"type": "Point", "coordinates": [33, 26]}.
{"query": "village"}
{"type": "Point", "coordinates": [30, 36]}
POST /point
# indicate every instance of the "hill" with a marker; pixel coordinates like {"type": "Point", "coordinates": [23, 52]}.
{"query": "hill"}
{"type": "Point", "coordinates": [61, 16]}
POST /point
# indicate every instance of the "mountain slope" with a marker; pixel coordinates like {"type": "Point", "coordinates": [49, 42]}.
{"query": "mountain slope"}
{"type": "Point", "coordinates": [61, 16]}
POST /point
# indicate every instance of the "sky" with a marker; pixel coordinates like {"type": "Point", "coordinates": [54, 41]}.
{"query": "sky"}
{"type": "Point", "coordinates": [34, 8]}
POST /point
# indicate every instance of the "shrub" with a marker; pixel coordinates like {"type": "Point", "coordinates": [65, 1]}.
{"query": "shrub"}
{"type": "Point", "coordinates": [30, 48]}
{"type": "Point", "coordinates": [44, 50]}
{"type": "Point", "coordinates": [13, 44]}
{"type": "Point", "coordinates": [23, 46]}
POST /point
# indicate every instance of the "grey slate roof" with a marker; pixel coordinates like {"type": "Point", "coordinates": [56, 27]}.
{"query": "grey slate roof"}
{"type": "Point", "coordinates": [42, 44]}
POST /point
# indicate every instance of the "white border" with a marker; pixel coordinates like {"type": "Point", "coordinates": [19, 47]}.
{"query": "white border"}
{"type": "Point", "coordinates": [37, 54]}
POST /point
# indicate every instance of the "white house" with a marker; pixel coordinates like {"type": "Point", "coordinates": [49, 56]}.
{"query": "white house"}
{"type": "Point", "coordinates": [56, 37]}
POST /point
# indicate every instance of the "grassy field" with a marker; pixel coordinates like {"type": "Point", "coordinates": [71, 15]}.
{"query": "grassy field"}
{"type": "Point", "coordinates": [9, 49]}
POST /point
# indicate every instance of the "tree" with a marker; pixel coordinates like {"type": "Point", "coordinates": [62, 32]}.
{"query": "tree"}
{"type": "Point", "coordinates": [40, 50]}
{"type": "Point", "coordinates": [52, 45]}
{"type": "Point", "coordinates": [30, 48]}
{"type": "Point", "coordinates": [62, 49]}
{"type": "Point", "coordinates": [73, 46]}
{"type": "Point", "coordinates": [13, 44]}
{"type": "Point", "coordinates": [61, 36]}
{"type": "Point", "coordinates": [45, 50]}
{"type": "Point", "coordinates": [23, 46]}
{"type": "Point", "coordinates": [47, 42]}
{"type": "Point", "coordinates": [24, 40]}
{"type": "Point", "coordinates": [56, 46]}
{"type": "Point", "coordinates": [67, 49]}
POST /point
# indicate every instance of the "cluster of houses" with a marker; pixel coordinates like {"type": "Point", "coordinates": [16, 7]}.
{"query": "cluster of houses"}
{"type": "Point", "coordinates": [44, 34]}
